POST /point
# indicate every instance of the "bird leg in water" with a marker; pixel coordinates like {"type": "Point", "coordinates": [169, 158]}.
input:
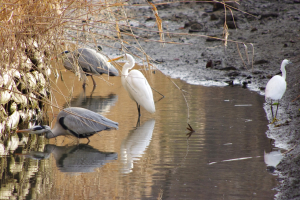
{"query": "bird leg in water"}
{"type": "Point", "coordinates": [94, 82]}
{"type": "Point", "coordinates": [276, 109]}
{"type": "Point", "coordinates": [274, 119]}
{"type": "Point", "coordinates": [138, 122]}
{"type": "Point", "coordinates": [88, 141]}
{"type": "Point", "coordinates": [139, 110]}
{"type": "Point", "coordinates": [83, 85]}
{"type": "Point", "coordinates": [272, 109]}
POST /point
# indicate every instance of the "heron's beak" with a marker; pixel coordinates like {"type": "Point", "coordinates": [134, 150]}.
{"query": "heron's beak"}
{"type": "Point", "coordinates": [114, 59]}
{"type": "Point", "coordinates": [24, 131]}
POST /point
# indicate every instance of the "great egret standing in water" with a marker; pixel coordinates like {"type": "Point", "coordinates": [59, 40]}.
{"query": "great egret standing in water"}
{"type": "Point", "coordinates": [136, 85]}
{"type": "Point", "coordinates": [75, 121]}
{"type": "Point", "coordinates": [276, 87]}
{"type": "Point", "coordinates": [90, 63]}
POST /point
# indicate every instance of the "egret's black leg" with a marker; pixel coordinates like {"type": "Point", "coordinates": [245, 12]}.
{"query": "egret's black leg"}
{"type": "Point", "coordinates": [94, 82]}
{"type": "Point", "coordinates": [139, 110]}
{"type": "Point", "coordinates": [272, 109]}
{"type": "Point", "coordinates": [276, 109]}
{"type": "Point", "coordinates": [138, 122]}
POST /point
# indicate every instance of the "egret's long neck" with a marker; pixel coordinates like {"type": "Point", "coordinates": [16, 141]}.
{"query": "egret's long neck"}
{"type": "Point", "coordinates": [282, 68]}
{"type": "Point", "coordinates": [128, 65]}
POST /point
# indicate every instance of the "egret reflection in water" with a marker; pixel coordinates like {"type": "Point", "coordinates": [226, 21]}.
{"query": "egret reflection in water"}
{"type": "Point", "coordinates": [98, 104]}
{"type": "Point", "coordinates": [134, 146]}
{"type": "Point", "coordinates": [272, 159]}
{"type": "Point", "coordinates": [77, 158]}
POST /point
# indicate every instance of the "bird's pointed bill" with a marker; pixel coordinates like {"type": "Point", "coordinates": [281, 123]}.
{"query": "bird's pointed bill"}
{"type": "Point", "coordinates": [114, 59]}
{"type": "Point", "coordinates": [24, 131]}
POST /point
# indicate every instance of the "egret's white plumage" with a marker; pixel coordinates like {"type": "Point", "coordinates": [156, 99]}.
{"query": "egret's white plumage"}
{"type": "Point", "coordinates": [276, 86]}
{"type": "Point", "coordinates": [75, 121]}
{"type": "Point", "coordinates": [136, 85]}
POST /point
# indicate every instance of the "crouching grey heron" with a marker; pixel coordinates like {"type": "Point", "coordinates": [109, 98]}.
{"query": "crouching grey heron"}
{"type": "Point", "coordinates": [75, 121]}
{"type": "Point", "coordinates": [90, 63]}
{"type": "Point", "coordinates": [136, 85]}
{"type": "Point", "coordinates": [276, 87]}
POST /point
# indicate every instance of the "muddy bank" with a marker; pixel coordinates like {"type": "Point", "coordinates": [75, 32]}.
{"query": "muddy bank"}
{"type": "Point", "coordinates": [271, 27]}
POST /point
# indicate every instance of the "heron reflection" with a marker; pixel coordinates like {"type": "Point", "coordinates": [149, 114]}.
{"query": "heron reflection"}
{"type": "Point", "coordinates": [77, 158]}
{"type": "Point", "coordinates": [98, 104]}
{"type": "Point", "coordinates": [134, 146]}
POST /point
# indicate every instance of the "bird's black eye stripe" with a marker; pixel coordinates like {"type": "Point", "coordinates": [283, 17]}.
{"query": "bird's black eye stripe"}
{"type": "Point", "coordinates": [38, 128]}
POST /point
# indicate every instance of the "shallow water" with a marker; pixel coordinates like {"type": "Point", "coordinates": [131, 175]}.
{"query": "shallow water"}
{"type": "Point", "coordinates": [222, 159]}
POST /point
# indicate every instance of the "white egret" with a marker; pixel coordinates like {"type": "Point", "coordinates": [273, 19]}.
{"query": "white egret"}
{"type": "Point", "coordinates": [136, 85]}
{"type": "Point", "coordinates": [90, 63]}
{"type": "Point", "coordinates": [75, 121]}
{"type": "Point", "coordinates": [276, 87]}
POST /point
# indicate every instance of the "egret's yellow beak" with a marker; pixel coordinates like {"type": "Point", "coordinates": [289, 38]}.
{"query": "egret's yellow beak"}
{"type": "Point", "coordinates": [114, 59]}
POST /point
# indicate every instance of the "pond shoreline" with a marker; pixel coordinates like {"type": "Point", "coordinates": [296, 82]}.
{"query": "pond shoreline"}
{"type": "Point", "coordinates": [274, 38]}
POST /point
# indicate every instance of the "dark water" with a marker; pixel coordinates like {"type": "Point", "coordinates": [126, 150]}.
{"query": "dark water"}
{"type": "Point", "coordinates": [223, 158]}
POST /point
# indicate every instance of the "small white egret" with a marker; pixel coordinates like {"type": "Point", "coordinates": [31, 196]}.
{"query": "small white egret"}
{"type": "Point", "coordinates": [90, 63]}
{"type": "Point", "coordinates": [136, 85]}
{"type": "Point", "coordinates": [276, 87]}
{"type": "Point", "coordinates": [75, 121]}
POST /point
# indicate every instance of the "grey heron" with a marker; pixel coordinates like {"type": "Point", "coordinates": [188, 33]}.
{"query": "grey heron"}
{"type": "Point", "coordinates": [75, 121]}
{"type": "Point", "coordinates": [90, 63]}
{"type": "Point", "coordinates": [276, 87]}
{"type": "Point", "coordinates": [136, 85]}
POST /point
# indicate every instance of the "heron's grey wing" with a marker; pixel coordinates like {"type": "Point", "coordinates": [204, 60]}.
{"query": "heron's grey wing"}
{"type": "Point", "coordinates": [95, 63]}
{"type": "Point", "coordinates": [85, 122]}
{"type": "Point", "coordinates": [70, 64]}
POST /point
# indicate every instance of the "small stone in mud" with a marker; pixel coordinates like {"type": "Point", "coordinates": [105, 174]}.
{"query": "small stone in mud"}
{"type": "Point", "coordinates": [257, 72]}
{"type": "Point", "coordinates": [262, 16]}
{"type": "Point", "coordinates": [150, 18]}
{"type": "Point", "coordinates": [160, 60]}
{"type": "Point", "coordinates": [262, 88]}
{"type": "Point", "coordinates": [253, 29]}
{"type": "Point", "coordinates": [218, 6]}
{"type": "Point", "coordinates": [232, 25]}
{"type": "Point", "coordinates": [228, 68]}
{"type": "Point", "coordinates": [248, 77]}
{"type": "Point", "coordinates": [196, 27]}
{"type": "Point", "coordinates": [209, 64]}
{"type": "Point", "coordinates": [230, 82]}
{"type": "Point", "coordinates": [262, 61]}
{"type": "Point", "coordinates": [213, 17]}
{"type": "Point", "coordinates": [285, 45]}
{"type": "Point", "coordinates": [233, 73]}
